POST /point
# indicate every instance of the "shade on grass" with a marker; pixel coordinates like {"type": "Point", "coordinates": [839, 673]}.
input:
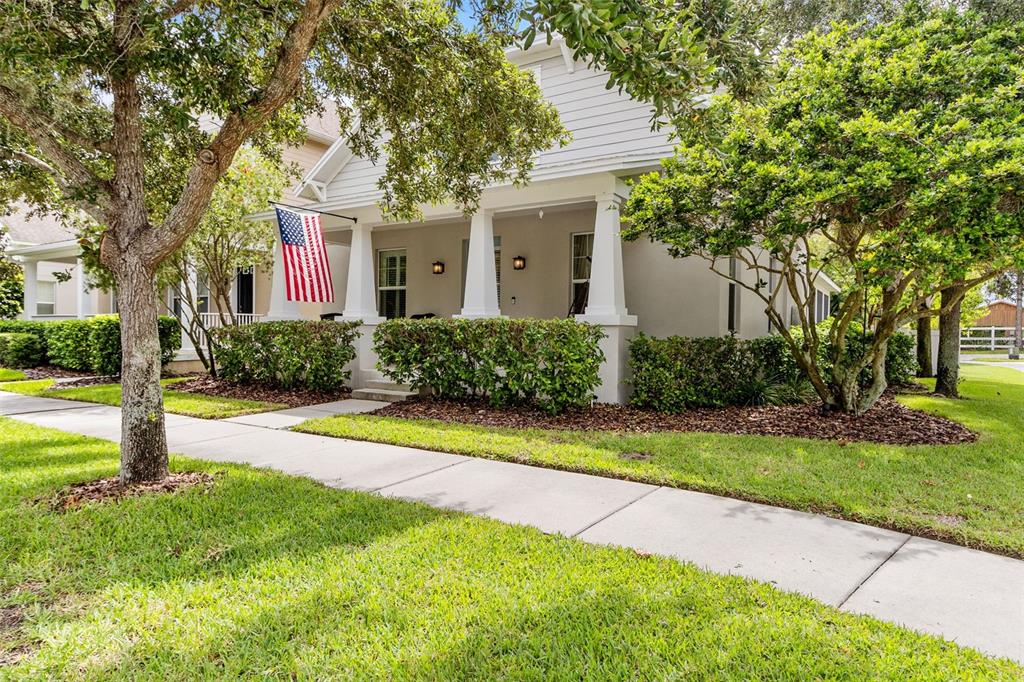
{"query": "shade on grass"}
{"type": "Point", "coordinates": [266, 575]}
{"type": "Point", "coordinates": [970, 494]}
{"type": "Point", "coordinates": [11, 374]}
{"type": "Point", "coordinates": [176, 402]}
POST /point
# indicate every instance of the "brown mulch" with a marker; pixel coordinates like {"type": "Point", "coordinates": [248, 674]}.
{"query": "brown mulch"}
{"type": "Point", "coordinates": [887, 422]}
{"type": "Point", "coordinates": [85, 381]}
{"type": "Point", "coordinates": [228, 389]}
{"type": "Point", "coordinates": [51, 372]}
{"type": "Point", "coordinates": [105, 489]}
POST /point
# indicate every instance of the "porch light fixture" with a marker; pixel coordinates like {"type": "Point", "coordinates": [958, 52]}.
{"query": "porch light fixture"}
{"type": "Point", "coordinates": [438, 267]}
{"type": "Point", "coordinates": [518, 263]}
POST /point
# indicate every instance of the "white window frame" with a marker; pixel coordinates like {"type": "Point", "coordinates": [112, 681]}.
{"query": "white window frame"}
{"type": "Point", "coordinates": [573, 281]}
{"type": "Point", "coordinates": [402, 287]}
{"type": "Point", "coordinates": [40, 285]}
{"type": "Point", "coordinates": [822, 305]}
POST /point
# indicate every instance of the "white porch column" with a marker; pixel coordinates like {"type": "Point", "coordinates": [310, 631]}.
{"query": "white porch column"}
{"type": "Point", "coordinates": [606, 302]}
{"type": "Point", "coordinates": [361, 304]}
{"type": "Point", "coordinates": [360, 288]}
{"type": "Point", "coordinates": [188, 350]}
{"type": "Point", "coordinates": [31, 278]}
{"type": "Point", "coordinates": [481, 295]}
{"type": "Point", "coordinates": [84, 296]}
{"type": "Point", "coordinates": [280, 307]}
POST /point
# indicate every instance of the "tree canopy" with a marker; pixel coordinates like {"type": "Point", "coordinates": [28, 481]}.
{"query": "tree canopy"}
{"type": "Point", "coordinates": [893, 155]}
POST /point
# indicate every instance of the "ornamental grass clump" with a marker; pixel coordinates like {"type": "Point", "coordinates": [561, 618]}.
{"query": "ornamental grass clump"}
{"type": "Point", "coordinates": [552, 364]}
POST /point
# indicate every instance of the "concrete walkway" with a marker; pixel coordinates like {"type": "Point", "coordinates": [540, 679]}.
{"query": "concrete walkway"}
{"type": "Point", "coordinates": [971, 597]}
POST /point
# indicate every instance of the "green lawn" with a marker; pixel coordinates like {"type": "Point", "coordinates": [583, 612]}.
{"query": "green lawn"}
{"type": "Point", "coordinates": [176, 402]}
{"type": "Point", "coordinates": [11, 374]}
{"type": "Point", "coordinates": [969, 494]}
{"type": "Point", "coordinates": [271, 576]}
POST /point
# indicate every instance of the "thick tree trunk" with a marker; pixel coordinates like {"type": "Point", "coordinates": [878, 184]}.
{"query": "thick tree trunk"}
{"type": "Point", "coordinates": [924, 347]}
{"type": "Point", "coordinates": [143, 440]}
{"type": "Point", "coordinates": [948, 374]}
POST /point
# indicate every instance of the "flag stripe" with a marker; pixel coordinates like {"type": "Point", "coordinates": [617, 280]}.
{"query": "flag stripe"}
{"type": "Point", "coordinates": [307, 269]}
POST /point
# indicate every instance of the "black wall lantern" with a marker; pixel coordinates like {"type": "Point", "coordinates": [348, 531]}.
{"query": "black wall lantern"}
{"type": "Point", "coordinates": [518, 263]}
{"type": "Point", "coordinates": [438, 267]}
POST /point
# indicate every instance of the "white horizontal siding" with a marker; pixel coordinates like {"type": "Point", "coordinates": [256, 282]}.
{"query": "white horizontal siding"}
{"type": "Point", "coordinates": [604, 124]}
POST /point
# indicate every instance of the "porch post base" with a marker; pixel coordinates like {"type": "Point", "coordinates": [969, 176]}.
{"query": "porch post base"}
{"type": "Point", "coordinates": [614, 371]}
{"type": "Point", "coordinates": [363, 369]}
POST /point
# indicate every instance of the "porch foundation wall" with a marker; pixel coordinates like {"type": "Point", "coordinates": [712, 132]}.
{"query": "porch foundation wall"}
{"type": "Point", "coordinates": [614, 372]}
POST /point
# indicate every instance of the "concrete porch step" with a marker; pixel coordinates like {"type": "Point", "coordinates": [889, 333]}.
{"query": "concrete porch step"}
{"type": "Point", "coordinates": [387, 395]}
{"type": "Point", "coordinates": [382, 384]}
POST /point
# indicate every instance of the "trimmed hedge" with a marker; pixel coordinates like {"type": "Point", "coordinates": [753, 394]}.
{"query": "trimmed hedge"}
{"type": "Point", "coordinates": [672, 374]}
{"type": "Point", "coordinates": [67, 344]}
{"type": "Point", "coordinates": [21, 349]}
{"type": "Point", "coordinates": [25, 327]}
{"type": "Point", "coordinates": [94, 344]}
{"type": "Point", "coordinates": [105, 342]}
{"type": "Point", "coordinates": [288, 354]}
{"type": "Point", "coordinates": [549, 363]}
{"type": "Point", "coordinates": [676, 373]}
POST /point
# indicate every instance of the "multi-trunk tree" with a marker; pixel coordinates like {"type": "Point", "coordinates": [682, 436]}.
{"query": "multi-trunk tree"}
{"type": "Point", "coordinates": [892, 157]}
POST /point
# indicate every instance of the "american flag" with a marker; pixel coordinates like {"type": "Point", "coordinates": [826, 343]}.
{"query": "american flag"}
{"type": "Point", "coordinates": [307, 272]}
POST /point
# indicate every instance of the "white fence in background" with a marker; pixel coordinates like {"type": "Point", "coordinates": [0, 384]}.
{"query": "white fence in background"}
{"type": "Point", "coordinates": [986, 338]}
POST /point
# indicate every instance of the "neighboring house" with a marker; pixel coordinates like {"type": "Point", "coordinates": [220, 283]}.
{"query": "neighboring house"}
{"type": "Point", "coordinates": [1002, 313]}
{"type": "Point", "coordinates": [550, 249]}
{"type": "Point", "coordinates": [46, 248]}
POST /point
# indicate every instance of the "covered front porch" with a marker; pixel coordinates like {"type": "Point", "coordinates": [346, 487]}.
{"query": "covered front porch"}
{"type": "Point", "coordinates": [550, 250]}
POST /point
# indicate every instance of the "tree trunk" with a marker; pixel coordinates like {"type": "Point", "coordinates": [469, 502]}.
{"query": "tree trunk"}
{"type": "Point", "coordinates": [924, 347]}
{"type": "Point", "coordinates": [143, 439]}
{"type": "Point", "coordinates": [948, 374]}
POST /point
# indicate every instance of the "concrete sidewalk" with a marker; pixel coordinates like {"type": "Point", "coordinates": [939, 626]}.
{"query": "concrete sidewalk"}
{"type": "Point", "coordinates": [971, 597]}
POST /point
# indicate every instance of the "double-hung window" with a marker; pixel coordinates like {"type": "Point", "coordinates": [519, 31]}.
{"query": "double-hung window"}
{"type": "Point", "coordinates": [579, 269]}
{"type": "Point", "coordinates": [391, 277]}
{"type": "Point", "coordinates": [46, 298]}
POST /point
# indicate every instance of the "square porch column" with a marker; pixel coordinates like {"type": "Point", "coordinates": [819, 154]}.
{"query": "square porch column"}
{"type": "Point", "coordinates": [361, 304]}
{"type": "Point", "coordinates": [361, 288]}
{"type": "Point", "coordinates": [280, 307]}
{"type": "Point", "coordinates": [30, 268]}
{"type": "Point", "coordinates": [480, 298]}
{"type": "Point", "coordinates": [606, 301]}
{"type": "Point", "coordinates": [82, 293]}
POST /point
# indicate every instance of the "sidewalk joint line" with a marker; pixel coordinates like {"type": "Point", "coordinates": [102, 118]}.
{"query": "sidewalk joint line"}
{"type": "Point", "coordinates": [56, 409]}
{"type": "Point", "coordinates": [870, 575]}
{"type": "Point", "coordinates": [615, 511]}
{"type": "Point", "coordinates": [426, 473]}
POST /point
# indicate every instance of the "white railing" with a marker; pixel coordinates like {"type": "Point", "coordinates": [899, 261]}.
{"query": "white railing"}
{"type": "Point", "coordinates": [986, 338]}
{"type": "Point", "coordinates": [213, 320]}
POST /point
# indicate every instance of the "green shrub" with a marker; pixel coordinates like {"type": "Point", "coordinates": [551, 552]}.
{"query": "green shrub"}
{"type": "Point", "coordinates": [94, 344]}
{"type": "Point", "coordinates": [67, 344]}
{"type": "Point", "coordinates": [550, 363]}
{"type": "Point", "coordinates": [21, 349]}
{"type": "Point", "coordinates": [672, 374]}
{"type": "Point", "coordinates": [26, 327]}
{"type": "Point", "coordinates": [306, 354]}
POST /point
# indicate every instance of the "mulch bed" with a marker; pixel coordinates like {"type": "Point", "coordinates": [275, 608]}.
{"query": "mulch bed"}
{"type": "Point", "coordinates": [105, 489]}
{"type": "Point", "coordinates": [50, 372]}
{"type": "Point", "coordinates": [80, 382]}
{"type": "Point", "coordinates": [887, 422]}
{"type": "Point", "coordinates": [228, 389]}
